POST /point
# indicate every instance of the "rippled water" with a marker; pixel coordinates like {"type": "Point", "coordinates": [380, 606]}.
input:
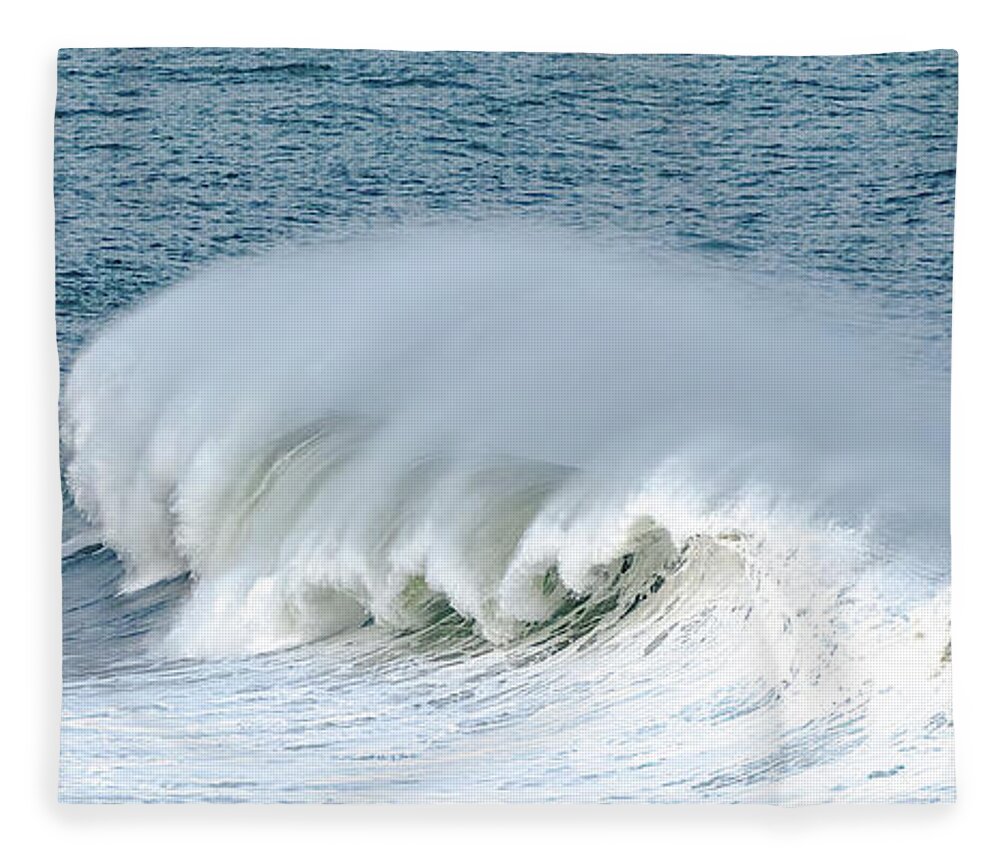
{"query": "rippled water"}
{"type": "Point", "coordinates": [169, 158]}
{"type": "Point", "coordinates": [729, 624]}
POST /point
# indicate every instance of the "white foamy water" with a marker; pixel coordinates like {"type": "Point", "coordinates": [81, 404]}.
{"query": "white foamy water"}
{"type": "Point", "coordinates": [544, 516]}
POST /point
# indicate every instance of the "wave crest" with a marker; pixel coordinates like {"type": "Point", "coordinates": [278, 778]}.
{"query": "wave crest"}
{"type": "Point", "coordinates": [529, 429]}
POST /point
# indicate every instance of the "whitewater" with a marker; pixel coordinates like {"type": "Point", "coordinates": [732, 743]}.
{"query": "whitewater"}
{"type": "Point", "coordinates": [504, 427]}
{"type": "Point", "coordinates": [490, 509]}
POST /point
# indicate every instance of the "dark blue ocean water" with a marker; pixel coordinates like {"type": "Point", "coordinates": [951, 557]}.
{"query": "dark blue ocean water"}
{"type": "Point", "coordinates": [169, 158]}
{"type": "Point", "coordinates": [736, 672]}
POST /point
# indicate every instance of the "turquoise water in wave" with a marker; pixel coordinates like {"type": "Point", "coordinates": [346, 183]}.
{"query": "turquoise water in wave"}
{"type": "Point", "coordinates": [757, 654]}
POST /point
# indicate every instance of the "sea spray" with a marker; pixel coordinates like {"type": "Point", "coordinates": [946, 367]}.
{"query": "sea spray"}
{"type": "Point", "coordinates": [511, 418]}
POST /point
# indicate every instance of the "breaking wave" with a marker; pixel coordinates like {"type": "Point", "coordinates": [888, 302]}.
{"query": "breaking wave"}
{"type": "Point", "coordinates": [526, 433]}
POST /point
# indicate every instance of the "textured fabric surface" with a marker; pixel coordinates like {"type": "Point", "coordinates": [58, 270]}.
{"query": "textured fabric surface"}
{"type": "Point", "coordinates": [505, 427]}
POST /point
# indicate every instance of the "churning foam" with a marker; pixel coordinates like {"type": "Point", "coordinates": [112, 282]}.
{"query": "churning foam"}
{"type": "Point", "coordinates": [501, 416]}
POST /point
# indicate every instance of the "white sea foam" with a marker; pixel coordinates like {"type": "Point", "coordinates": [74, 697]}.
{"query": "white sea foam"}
{"type": "Point", "coordinates": [506, 417]}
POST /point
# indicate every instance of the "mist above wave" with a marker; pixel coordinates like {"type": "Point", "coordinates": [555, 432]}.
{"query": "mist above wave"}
{"type": "Point", "coordinates": [497, 412]}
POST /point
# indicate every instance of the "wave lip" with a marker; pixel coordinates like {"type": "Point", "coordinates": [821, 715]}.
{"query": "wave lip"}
{"type": "Point", "coordinates": [514, 420]}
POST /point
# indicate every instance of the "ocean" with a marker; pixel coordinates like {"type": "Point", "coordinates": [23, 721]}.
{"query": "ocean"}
{"type": "Point", "coordinates": [504, 427]}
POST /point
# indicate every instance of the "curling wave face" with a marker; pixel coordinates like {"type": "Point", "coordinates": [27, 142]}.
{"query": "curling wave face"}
{"type": "Point", "coordinates": [532, 433]}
